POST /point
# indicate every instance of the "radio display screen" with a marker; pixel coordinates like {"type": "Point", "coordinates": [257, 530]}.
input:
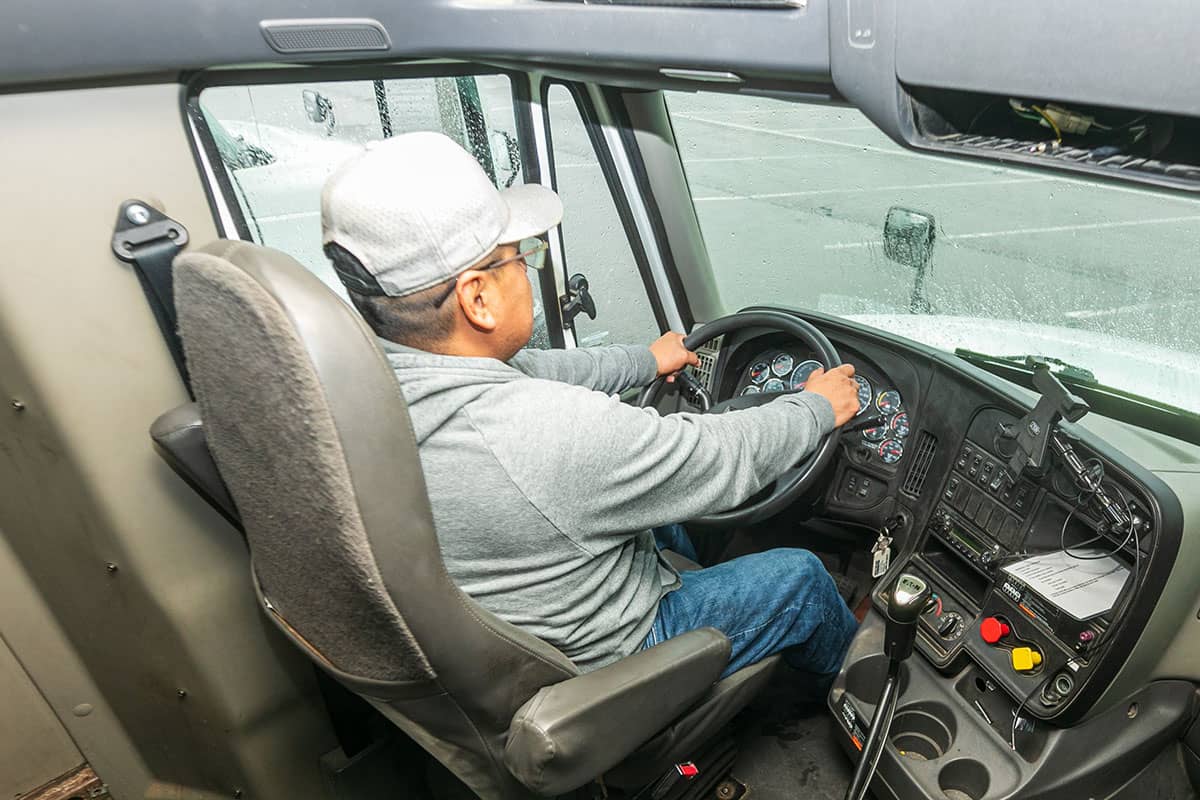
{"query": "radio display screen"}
{"type": "Point", "coordinates": [967, 539]}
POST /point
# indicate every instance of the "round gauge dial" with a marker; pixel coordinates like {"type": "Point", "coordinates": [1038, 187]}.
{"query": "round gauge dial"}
{"type": "Point", "coordinates": [877, 433]}
{"type": "Point", "coordinates": [804, 372]}
{"type": "Point", "coordinates": [774, 385]}
{"type": "Point", "coordinates": [900, 424]}
{"type": "Point", "coordinates": [888, 402]}
{"type": "Point", "coordinates": [890, 450]}
{"type": "Point", "coordinates": [751, 389]}
{"type": "Point", "coordinates": [782, 364]}
{"type": "Point", "coordinates": [865, 393]}
{"type": "Point", "coordinates": [760, 372]}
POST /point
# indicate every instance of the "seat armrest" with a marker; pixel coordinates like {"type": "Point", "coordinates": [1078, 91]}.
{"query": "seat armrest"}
{"type": "Point", "coordinates": [179, 438]}
{"type": "Point", "coordinates": [571, 732]}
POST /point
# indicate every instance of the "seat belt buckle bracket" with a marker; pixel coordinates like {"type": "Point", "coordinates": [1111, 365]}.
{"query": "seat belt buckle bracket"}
{"type": "Point", "coordinates": [139, 223]}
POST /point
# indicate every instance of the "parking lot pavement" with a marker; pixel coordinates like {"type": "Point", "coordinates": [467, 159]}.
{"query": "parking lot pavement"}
{"type": "Point", "coordinates": [792, 200]}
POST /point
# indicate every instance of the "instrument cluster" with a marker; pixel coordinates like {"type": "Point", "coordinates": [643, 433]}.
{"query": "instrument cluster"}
{"type": "Point", "coordinates": [782, 371]}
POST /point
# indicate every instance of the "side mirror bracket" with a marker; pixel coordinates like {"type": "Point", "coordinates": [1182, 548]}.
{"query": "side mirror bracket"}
{"type": "Point", "coordinates": [577, 299]}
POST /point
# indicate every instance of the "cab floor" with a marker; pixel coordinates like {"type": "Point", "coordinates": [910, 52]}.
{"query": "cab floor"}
{"type": "Point", "coordinates": [787, 747]}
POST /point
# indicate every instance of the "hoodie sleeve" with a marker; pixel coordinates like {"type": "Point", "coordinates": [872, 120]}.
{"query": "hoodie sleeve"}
{"type": "Point", "coordinates": [611, 369]}
{"type": "Point", "coordinates": [601, 470]}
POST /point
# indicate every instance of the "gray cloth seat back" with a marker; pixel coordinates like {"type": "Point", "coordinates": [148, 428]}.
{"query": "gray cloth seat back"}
{"type": "Point", "coordinates": [308, 428]}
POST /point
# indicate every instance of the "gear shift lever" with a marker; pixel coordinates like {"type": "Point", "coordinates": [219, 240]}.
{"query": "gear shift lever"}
{"type": "Point", "coordinates": [908, 599]}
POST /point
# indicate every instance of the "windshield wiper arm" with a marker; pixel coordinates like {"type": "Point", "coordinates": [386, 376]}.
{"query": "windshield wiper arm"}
{"type": "Point", "coordinates": [1072, 372]}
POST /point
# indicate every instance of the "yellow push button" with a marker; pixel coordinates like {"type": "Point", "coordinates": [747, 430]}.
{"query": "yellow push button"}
{"type": "Point", "coordinates": [1025, 658]}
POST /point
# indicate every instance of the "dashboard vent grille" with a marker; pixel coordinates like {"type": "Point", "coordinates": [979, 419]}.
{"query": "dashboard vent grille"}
{"type": "Point", "coordinates": [922, 461]}
{"type": "Point", "coordinates": [708, 362]}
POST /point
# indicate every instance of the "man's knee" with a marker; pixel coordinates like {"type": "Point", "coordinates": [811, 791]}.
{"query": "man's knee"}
{"type": "Point", "coordinates": [800, 570]}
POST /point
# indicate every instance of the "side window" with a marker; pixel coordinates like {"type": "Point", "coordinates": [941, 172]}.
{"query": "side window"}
{"type": "Point", "coordinates": [279, 142]}
{"type": "Point", "coordinates": [594, 239]}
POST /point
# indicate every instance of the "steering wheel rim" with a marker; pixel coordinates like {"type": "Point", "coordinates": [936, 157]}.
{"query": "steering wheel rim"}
{"type": "Point", "coordinates": [795, 481]}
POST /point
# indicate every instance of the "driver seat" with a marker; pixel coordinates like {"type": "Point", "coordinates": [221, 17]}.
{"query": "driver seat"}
{"type": "Point", "coordinates": [310, 434]}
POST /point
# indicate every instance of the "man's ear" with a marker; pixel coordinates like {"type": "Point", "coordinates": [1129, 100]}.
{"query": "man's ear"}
{"type": "Point", "coordinates": [476, 299]}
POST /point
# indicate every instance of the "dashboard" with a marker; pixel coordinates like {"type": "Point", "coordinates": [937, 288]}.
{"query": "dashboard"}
{"type": "Point", "coordinates": [928, 457]}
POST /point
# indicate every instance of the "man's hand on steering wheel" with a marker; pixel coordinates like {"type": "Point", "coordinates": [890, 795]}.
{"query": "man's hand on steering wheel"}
{"type": "Point", "coordinates": [838, 387]}
{"type": "Point", "coordinates": [671, 355]}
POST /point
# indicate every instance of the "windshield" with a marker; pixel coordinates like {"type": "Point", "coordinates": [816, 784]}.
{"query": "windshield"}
{"type": "Point", "coordinates": [792, 200]}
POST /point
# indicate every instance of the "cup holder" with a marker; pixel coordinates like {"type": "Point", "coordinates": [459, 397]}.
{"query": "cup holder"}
{"type": "Point", "coordinates": [965, 779]}
{"type": "Point", "coordinates": [865, 678]}
{"type": "Point", "coordinates": [923, 731]}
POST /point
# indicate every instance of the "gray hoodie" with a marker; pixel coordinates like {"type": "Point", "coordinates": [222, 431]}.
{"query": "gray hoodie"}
{"type": "Point", "coordinates": [544, 485]}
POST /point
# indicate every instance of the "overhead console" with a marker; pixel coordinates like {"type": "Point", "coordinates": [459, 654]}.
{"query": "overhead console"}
{"type": "Point", "coordinates": [1026, 82]}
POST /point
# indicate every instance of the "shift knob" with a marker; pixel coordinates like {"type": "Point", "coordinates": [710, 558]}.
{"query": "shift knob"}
{"type": "Point", "coordinates": [905, 604]}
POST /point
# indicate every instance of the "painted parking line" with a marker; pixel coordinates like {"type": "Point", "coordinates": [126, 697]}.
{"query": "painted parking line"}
{"type": "Point", "coordinates": [897, 187]}
{"type": "Point", "coordinates": [1086, 226]}
{"type": "Point", "coordinates": [725, 159]}
{"type": "Point", "coordinates": [828, 128]}
{"type": "Point", "coordinates": [1137, 308]}
{"type": "Point", "coordinates": [897, 151]}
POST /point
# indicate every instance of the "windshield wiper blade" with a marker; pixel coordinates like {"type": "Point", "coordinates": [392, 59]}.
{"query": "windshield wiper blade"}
{"type": "Point", "coordinates": [1072, 372]}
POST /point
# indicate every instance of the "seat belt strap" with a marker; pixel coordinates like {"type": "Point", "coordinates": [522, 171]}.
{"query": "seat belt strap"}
{"type": "Point", "coordinates": [149, 240]}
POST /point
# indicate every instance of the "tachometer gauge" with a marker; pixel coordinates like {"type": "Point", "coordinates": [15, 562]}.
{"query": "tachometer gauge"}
{"type": "Point", "coordinates": [890, 450]}
{"type": "Point", "coordinates": [900, 424]}
{"type": "Point", "coordinates": [888, 402]}
{"type": "Point", "coordinates": [760, 372]}
{"type": "Point", "coordinates": [782, 364]}
{"type": "Point", "coordinates": [865, 393]}
{"type": "Point", "coordinates": [877, 433]}
{"type": "Point", "coordinates": [775, 385]}
{"type": "Point", "coordinates": [751, 389]}
{"type": "Point", "coordinates": [804, 372]}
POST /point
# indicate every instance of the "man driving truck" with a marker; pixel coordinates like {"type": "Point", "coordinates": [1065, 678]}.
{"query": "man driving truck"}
{"type": "Point", "coordinates": [545, 488]}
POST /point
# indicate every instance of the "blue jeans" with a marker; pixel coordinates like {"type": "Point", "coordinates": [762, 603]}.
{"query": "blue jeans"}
{"type": "Point", "coordinates": [781, 600]}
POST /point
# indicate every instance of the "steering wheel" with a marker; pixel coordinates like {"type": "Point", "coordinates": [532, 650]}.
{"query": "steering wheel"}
{"type": "Point", "coordinates": [791, 484]}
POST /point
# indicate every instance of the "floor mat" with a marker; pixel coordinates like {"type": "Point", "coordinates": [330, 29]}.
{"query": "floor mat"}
{"type": "Point", "coordinates": [787, 747]}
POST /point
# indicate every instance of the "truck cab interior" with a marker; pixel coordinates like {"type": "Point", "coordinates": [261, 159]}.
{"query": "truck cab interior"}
{"type": "Point", "coordinates": [219, 575]}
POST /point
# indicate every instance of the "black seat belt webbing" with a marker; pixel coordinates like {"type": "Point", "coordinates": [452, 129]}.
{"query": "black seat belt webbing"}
{"type": "Point", "coordinates": [149, 240]}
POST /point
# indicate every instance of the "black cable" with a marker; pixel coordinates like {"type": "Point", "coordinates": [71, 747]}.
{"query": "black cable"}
{"type": "Point", "coordinates": [1012, 733]}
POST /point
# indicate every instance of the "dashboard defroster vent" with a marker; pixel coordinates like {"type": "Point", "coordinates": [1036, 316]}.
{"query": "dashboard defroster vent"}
{"type": "Point", "coordinates": [921, 462]}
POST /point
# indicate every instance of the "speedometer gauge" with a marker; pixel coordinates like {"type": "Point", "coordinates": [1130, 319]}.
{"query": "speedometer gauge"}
{"type": "Point", "coordinates": [775, 385]}
{"type": "Point", "coordinates": [865, 393]}
{"type": "Point", "coordinates": [890, 450]}
{"type": "Point", "coordinates": [782, 364]}
{"type": "Point", "coordinates": [803, 373]}
{"type": "Point", "coordinates": [888, 402]}
{"type": "Point", "coordinates": [900, 424]}
{"type": "Point", "coordinates": [760, 372]}
{"type": "Point", "coordinates": [751, 389]}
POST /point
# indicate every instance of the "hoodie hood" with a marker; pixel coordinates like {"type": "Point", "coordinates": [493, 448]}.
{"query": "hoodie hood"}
{"type": "Point", "coordinates": [442, 384]}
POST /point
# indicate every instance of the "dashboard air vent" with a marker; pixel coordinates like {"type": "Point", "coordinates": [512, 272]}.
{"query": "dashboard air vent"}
{"type": "Point", "coordinates": [708, 362]}
{"type": "Point", "coordinates": [922, 460]}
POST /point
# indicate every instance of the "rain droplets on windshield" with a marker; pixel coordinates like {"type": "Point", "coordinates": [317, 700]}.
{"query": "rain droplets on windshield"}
{"type": "Point", "coordinates": [793, 200]}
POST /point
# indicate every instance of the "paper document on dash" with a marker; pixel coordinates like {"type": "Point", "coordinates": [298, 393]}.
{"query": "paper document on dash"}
{"type": "Point", "coordinates": [1082, 587]}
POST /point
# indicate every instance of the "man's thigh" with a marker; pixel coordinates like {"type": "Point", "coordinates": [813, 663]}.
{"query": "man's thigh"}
{"type": "Point", "coordinates": [782, 600]}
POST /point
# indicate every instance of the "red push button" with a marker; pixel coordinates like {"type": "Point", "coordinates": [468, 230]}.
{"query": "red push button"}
{"type": "Point", "coordinates": [687, 769]}
{"type": "Point", "coordinates": [993, 630]}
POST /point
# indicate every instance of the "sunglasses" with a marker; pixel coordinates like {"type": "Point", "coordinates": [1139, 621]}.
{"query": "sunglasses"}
{"type": "Point", "coordinates": [531, 251]}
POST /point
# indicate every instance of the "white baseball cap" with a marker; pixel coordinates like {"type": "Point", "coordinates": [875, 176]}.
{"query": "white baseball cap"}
{"type": "Point", "coordinates": [417, 209]}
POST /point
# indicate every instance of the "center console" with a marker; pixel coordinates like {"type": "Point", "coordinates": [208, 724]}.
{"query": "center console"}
{"type": "Point", "coordinates": [1002, 690]}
